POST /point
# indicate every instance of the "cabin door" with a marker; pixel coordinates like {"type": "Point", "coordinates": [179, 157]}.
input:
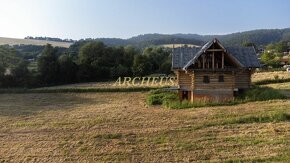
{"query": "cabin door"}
{"type": "Point", "coordinates": [184, 95]}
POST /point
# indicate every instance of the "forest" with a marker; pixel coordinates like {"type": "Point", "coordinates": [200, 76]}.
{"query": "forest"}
{"type": "Point", "coordinates": [82, 62]}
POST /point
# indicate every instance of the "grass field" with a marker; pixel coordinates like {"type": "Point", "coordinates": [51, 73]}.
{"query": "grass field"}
{"type": "Point", "coordinates": [16, 41]}
{"type": "Point", "coordinates": [112, 127]}
{"type": "Point", "coordinates": [270, 75]}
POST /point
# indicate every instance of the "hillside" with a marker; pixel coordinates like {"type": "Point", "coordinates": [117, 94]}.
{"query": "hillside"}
{"type": "Point", "coordinates": [260, 37]}
{"type": "Point", "coordinates": [16, 41]}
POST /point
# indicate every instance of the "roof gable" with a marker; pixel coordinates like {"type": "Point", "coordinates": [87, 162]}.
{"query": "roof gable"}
{"type": "Point", "coordinates": [246, 57]}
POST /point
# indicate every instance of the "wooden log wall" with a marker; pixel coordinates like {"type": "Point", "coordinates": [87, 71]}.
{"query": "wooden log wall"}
{"type": "Point", "coordinates": [243, 79]}
{"type": "Point", "coordinates": [184, 80]}
{"type": "Point", "coordinates": [229, 80]}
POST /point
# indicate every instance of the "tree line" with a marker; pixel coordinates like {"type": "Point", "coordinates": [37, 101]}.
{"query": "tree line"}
{"type": "Point", "coordinates": [82, 62]}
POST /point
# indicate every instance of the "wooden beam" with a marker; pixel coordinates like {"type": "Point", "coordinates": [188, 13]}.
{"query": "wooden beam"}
{"type": "Point", "coordinates": [223, 59]}
{"type": "Point", "coordinates": [213, 60]}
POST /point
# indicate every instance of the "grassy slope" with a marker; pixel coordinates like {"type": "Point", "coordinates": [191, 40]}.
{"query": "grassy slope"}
{"type": "Point", "coordinates": [14, 41]}
{"type": "Point", "coordinates": [113, 127]}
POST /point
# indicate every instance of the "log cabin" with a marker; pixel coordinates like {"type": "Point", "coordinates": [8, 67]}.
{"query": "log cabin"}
{"type": "Point", "coordinates": [213, 72]}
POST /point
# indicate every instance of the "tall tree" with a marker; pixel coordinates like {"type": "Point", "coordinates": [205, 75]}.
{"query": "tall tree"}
{"type": "Point", "coordinates": [91, 62]}
{"type": "Point", "coordinates": [48, 66]}
{"type": "Point", "coordinates": [67, 69]}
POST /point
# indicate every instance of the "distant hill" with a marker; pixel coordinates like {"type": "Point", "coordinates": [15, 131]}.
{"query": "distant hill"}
{"type": "Point", "coordinates": [14, 41]}
{"type": "Point", "coordinates": [161, 39]}
{"type": "Point", "coordinates": [260, 37]}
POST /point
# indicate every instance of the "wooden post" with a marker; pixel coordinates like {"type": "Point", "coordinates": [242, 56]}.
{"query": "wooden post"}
{"type": "Point", "coordinates": [223, 60]}
{"type": "Point", "coordinates": [203, 64]}
{"type": "Point", "coordinates": [207, 61]}
{"type": "Point", "coordinates": [213, 60]}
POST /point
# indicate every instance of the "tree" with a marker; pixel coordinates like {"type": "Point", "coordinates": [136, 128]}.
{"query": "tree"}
{"type": "Point", "coordinates": [158, 57]}
{"type": "Point", "coordinates": [2, 71]}
{"type": "Point", "coordinates": [91, 62]}
{"type": "Point", "coordinates": [281, 47]}
{"type": "Point", "coordinates": [91, 52]}
{"type": "Point", "coordinates": [67, 69]}
{"type": "Point", "coordinates": [119, 71]}
{"type": "Point", "coordinates": [141, 66]}
{"type": "Point", "coordinates": [266, 57]}
{"type": "Point", "coordinates": [48, 66]}
{"type": "Point", "coordinates": [20, 74]}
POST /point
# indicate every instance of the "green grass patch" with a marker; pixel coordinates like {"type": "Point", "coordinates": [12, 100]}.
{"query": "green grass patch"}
{"type": "Point", "coordinates": [261, 94]}
{"type": "Point", "coordinates": [259, 118]}
{"type": "Point", "coordinates": [161, 139]}
{"type": "Point", "coordinates": [269, 117]}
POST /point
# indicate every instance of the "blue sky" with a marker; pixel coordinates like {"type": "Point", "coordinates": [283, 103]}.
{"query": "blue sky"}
{"type": "Point", "coordinates": [78, 19]}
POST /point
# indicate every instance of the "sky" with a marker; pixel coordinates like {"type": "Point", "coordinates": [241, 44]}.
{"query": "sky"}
{"type": "Point", "coordinates": [77, 19]}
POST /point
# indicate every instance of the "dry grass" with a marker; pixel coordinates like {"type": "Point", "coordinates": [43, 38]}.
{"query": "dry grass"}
{"type": "Point", "coordinates": [114, 127]}
{"type": "Point", "coordinates": [16, 41]}
{"type": "Point", "coordinates": [270, 75]}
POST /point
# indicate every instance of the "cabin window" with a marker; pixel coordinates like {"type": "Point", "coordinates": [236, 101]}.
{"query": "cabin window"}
{"type": "Point", "coordinates": [206, 79]}
{"type": "Point", "coordinates": [221, 78]}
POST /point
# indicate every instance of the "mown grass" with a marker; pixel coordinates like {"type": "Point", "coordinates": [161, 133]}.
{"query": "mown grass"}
{"type": "Point", "coordinates": [119, 127]}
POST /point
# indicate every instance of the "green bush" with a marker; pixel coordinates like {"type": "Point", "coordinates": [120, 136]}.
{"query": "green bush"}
{"type": "Point", "coordinates": [161, 97]}
{"type": "Point", "coordinates": [155, 99]}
